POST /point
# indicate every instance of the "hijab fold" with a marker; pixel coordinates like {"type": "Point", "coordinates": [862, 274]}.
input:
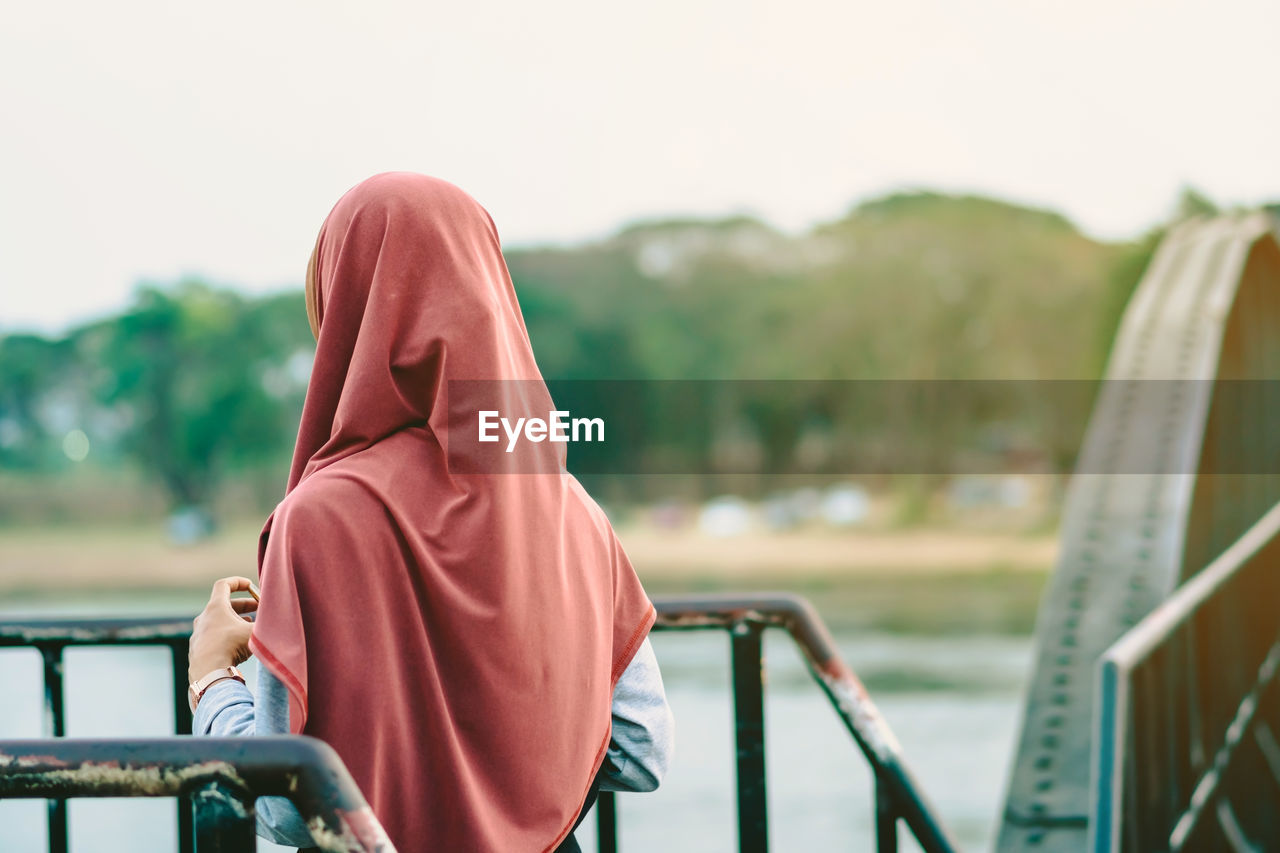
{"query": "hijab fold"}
{"type": "Point", "coordinates": [454, 634]}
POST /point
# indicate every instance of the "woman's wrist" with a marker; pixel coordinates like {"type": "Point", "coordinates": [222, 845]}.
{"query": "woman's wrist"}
{"type": "Point", "coordinates": [198, 668]}
{"type": "Point", "coordinates": [198, 687]}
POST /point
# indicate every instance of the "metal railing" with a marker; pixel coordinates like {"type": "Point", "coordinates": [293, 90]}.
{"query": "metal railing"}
{"type": "Point", "coordinates": [1188, 708]}
{"type": "Point", "coordinates": [52, 637]}
{"type": "Point", "coordinates": [897, 795]}
{"type": "Point", "coordinates": [222, 777]}
{"type": "Point", "coordinates": [898, 798]}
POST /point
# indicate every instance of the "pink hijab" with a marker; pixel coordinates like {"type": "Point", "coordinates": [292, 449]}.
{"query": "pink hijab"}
{"type": "Point", "coordinates": [454, 635]}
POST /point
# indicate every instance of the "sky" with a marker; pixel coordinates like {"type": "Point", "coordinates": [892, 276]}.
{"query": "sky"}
{"type": "Point", "coordinates": [153, 140]}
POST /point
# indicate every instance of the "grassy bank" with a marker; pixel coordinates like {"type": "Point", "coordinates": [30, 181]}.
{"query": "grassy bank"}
{"type": "Point", "coordinates": [920, 581]}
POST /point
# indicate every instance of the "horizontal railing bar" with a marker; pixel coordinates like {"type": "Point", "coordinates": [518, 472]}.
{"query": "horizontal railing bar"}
{"type": "Point", "coordinates": [1140, 641]}
{"type": "Point", "coordinates": [152, 630]}
{"type": "Point", "coordinates": [305, 770]}
{"type": "Point", "coordinates": [723, 611]}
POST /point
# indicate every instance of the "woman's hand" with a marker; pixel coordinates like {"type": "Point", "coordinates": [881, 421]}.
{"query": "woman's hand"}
{"type": "Point", "coordinates": [220, 634]}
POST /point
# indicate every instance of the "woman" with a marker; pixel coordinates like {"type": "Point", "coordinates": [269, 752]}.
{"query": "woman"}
{"type": "Point", "coordinates": [463, 637]}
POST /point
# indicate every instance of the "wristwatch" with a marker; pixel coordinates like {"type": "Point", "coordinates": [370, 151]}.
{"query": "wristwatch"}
{"type": "Point", "coordinates": [197, 688]}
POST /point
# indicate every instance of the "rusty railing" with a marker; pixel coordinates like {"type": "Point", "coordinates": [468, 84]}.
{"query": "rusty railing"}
{"type": "Point", "coordinates": [221, 777]}
{"type": "Point", "coordinates": [208, 770]}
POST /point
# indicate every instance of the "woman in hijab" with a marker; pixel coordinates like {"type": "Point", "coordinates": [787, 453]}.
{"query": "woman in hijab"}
{"type": "Point", "coordinates": [473, 643]}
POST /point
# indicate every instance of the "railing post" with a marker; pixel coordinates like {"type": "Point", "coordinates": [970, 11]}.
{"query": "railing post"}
{"type": "Point", "coordinates": [182, 726]}
{"type": "Point", "coordinates": [224, 823]}
{"type": "Point", "coordinates": [886, 818]}
{"type": "Point", "coordinates": [55, 725]}
{"type": "Point", "coordinates": [607, 822]}
{"type": "Point", "coordinates": [748, 705]}
{"type": "Point", "coordinates": [1110, 757]}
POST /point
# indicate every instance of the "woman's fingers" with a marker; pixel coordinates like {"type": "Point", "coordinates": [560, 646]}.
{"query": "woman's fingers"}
{"type": "Point", "coordinates": [223, 587]}
{"type": "Point", "coordinates": [220, 598]}
{"type": "Point", "coordinates": [220, 634]}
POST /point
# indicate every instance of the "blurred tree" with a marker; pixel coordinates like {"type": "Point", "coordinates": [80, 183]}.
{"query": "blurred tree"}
{"type": "Point", "coordinates": [188, 366]}
{"type": "Point", "coordinates": [198, 385]}
{"type": "Point", "coordinates": [909, 286]}
{"type": "Point", "coordinates": [30, 366]}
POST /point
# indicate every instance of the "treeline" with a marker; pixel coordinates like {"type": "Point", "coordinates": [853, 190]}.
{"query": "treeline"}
{"type": "Point", "coordinates": [197, 387]}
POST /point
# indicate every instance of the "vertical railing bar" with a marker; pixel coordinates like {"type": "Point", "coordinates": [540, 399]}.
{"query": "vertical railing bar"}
{"type": "Point", "coordinates": [1168, 706]}
{"type": "Point", "coordinates": [607, 822]}
{"type": "Point", "coordinates": [886, 818]}
{"type": "Point", "coordinates": [181, 710]}
{"type": "Point", "coordinates": [55, 725]}
{"type": "Point", "coordinates": [224, 822]}
{"type": "Point", "coordinates": [1110, 757]}
{"type": "Point", "coordinates": [182, 726]}
{"type": "Point", "coordinates": [748, 704]}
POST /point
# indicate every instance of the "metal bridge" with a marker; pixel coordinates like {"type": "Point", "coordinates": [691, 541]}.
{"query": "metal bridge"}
{"type": "Point", "coordinates": [1163, 487]}
{"type": "Point", "coordinates": [1152, 722]}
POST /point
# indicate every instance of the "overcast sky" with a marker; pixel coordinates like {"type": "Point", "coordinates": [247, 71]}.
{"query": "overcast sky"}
{"type": "Point", "coordinates": [153, 139]}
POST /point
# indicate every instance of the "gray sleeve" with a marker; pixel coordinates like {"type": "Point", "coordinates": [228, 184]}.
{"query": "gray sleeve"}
{"type": "Point", "coordinates": [225, 710]}
{"type": "Point", "coordinates": [278, 819]}
{"type": "Point", "coordinates": [643, 739]}
{"type": "Point", "coordinates": [228, 709]}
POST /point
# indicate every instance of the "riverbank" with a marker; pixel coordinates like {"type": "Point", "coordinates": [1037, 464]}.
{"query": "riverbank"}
{"type": "Point", "coordinates": [935, 581]}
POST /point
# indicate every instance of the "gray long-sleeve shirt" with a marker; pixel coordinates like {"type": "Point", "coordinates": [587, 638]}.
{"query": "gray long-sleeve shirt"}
{"type": "Point", "coordinates": [637, 758]}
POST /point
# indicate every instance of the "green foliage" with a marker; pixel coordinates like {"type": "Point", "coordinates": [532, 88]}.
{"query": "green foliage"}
{"type": "Point", "coordinates": [193, 383]}
{"type": "Point", "coordinates": [31, 368]}
{"type": "Point", "coordinates": [187, 371]}
{"type": "Point", "coordinates": [909, 286]}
